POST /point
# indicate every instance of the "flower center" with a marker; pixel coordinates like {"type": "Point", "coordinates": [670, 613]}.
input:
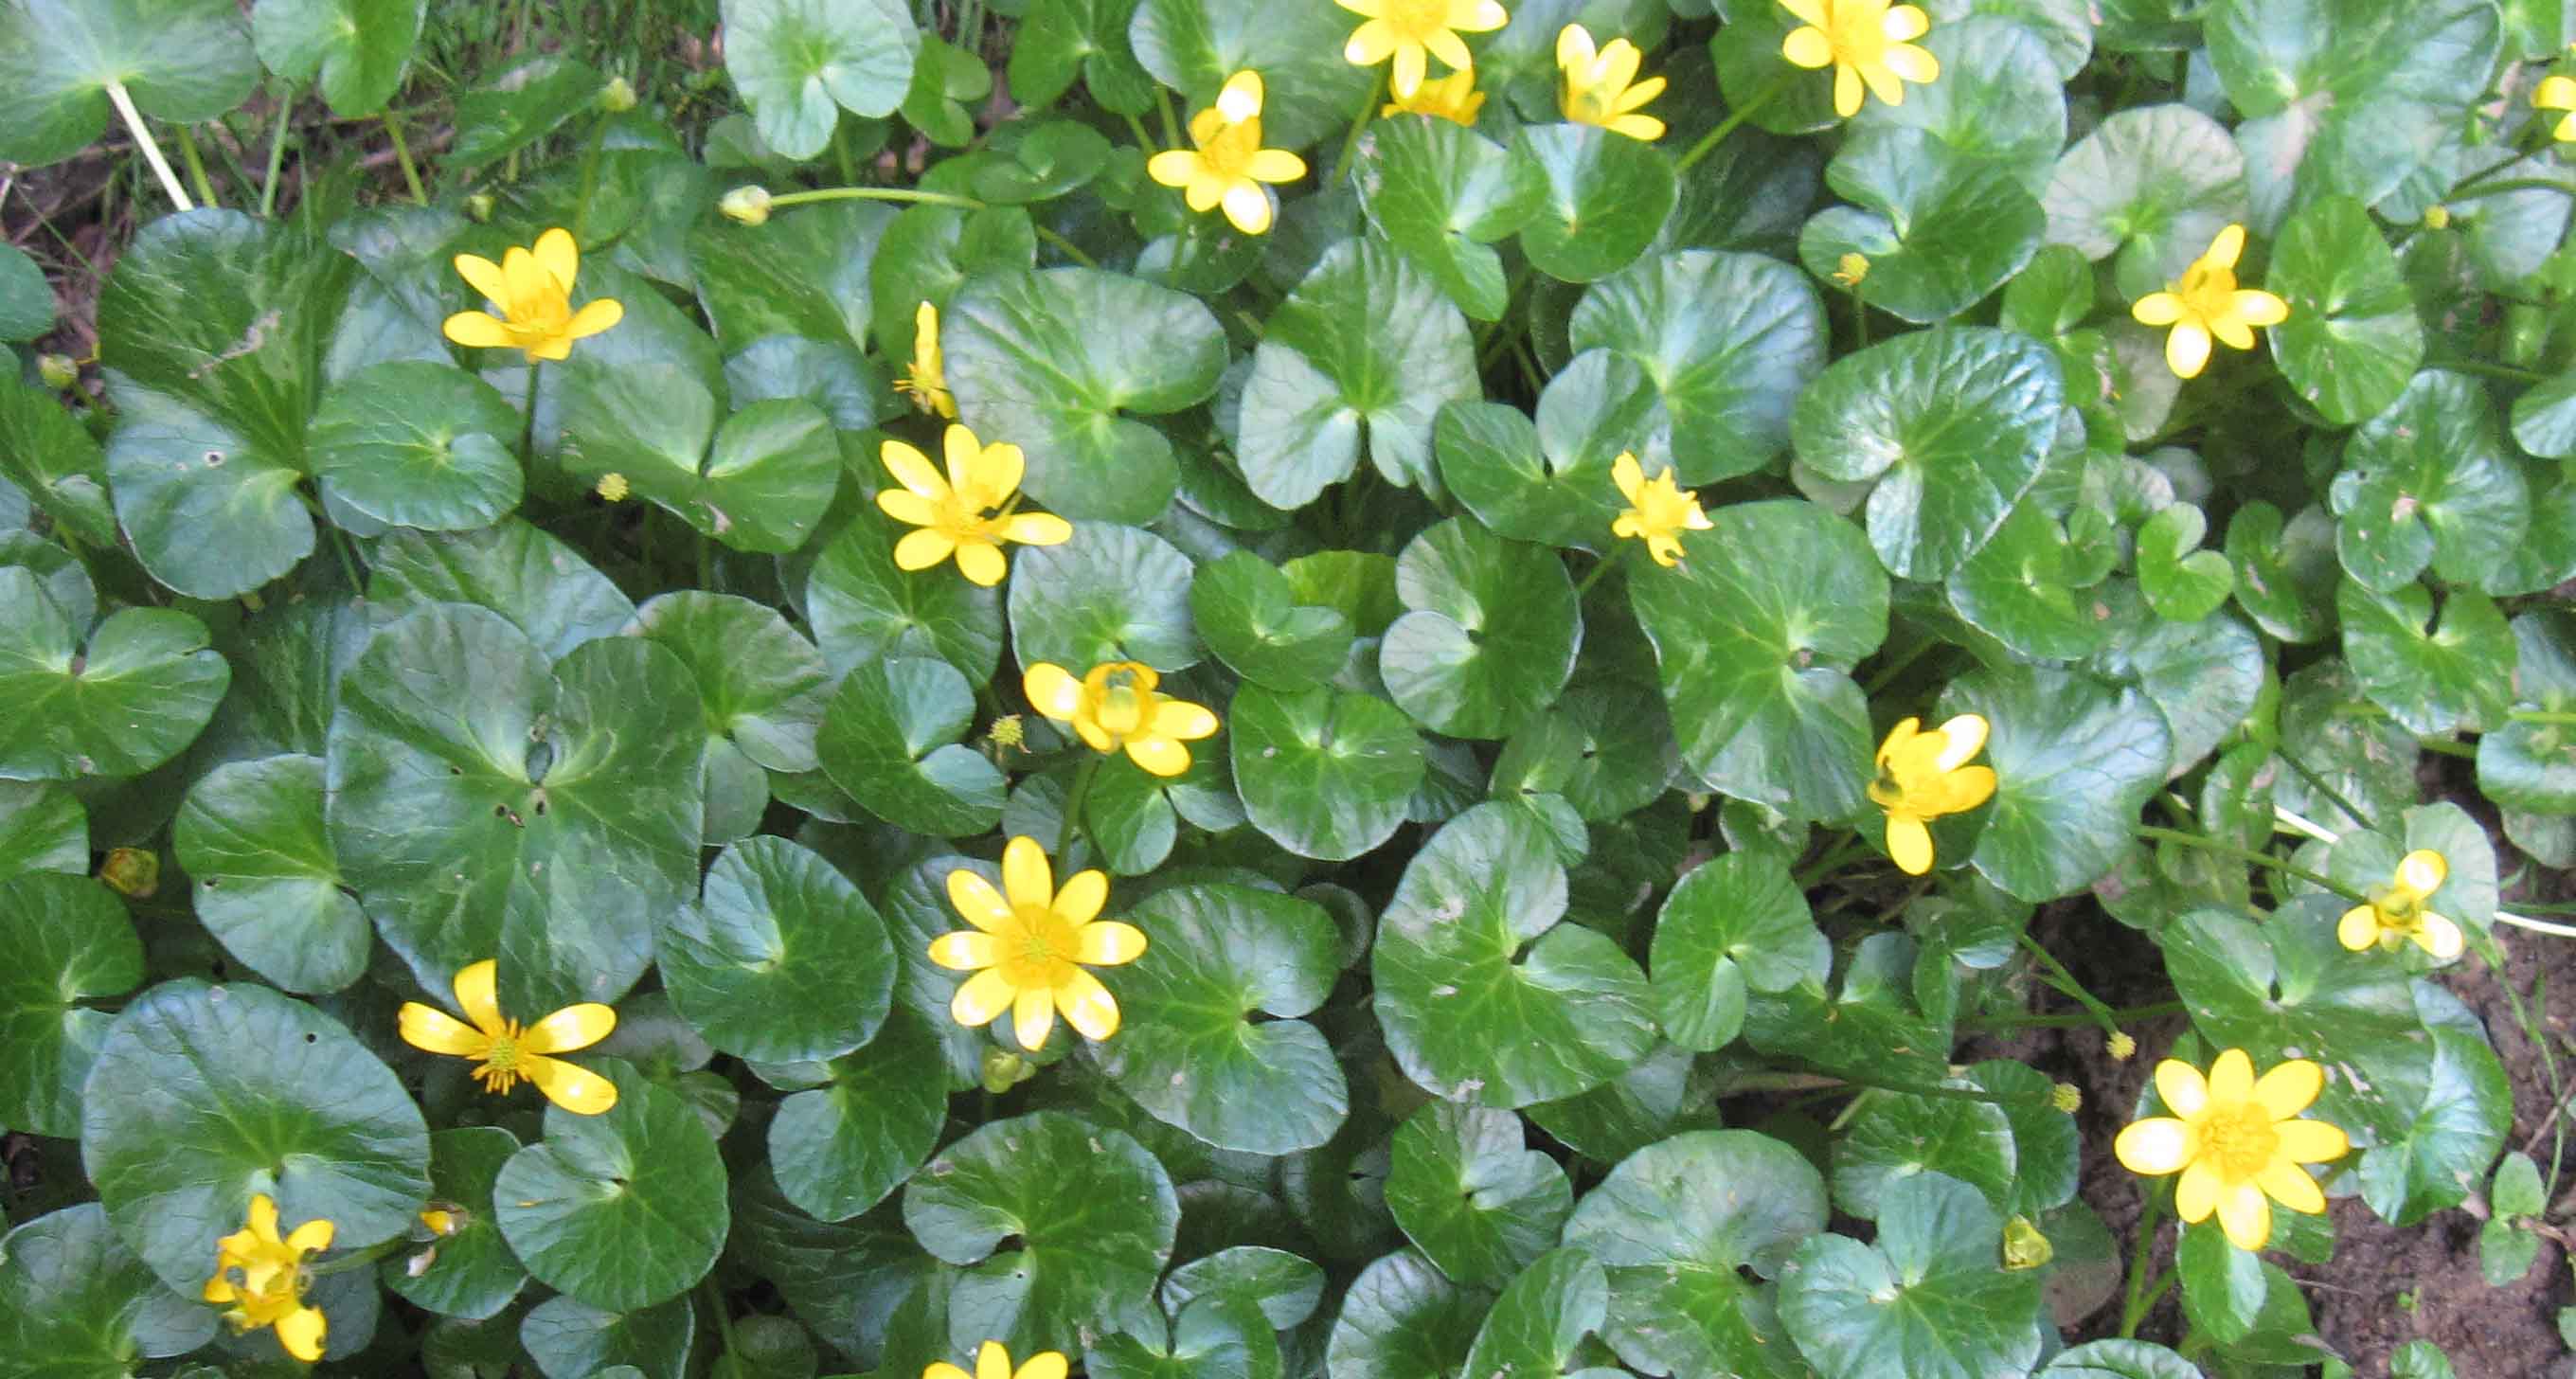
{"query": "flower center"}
{"type": "Point", "coordinates": [1228, 154]}
{"type": "Point", "coordinates": [1122, 704]}
{"type": "Point", "coordinates": [2208, 291]}
{"type": "Point", "coordinates": [1414, 20]}
{"type": "Point", "coordinates": [1039, 954]}
{"type": "Point", "coordinates": [501, 1067]}
{"type": "Point", "coordinates": [2239, 1140]}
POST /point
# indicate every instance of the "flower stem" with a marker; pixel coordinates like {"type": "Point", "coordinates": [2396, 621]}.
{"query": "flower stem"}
{"type": "Point", "coordinates": [1073, 801]}
{"type": "Point", "coordinates": [2124, 1015]}
{"type": "Point", "coordinates": [589, 175]}
{"type": "Point", "coordinates": [2065, 982]}
{"type": "Point", "coordinates": [714, 1299]}
{"type": "Point", "coordinates": [1368, 111]}
{"type": "Point", "coordinates": [276, 150]}
{"type": "Point", "coordinates": [1599, 568]}
{"type": "Point", "coordinates": [1065, 246]}
{"type": "Point", "coordinates": [2260, 859]}
{"type": "Point", "coordinates": [357, 1259]}
{"type": "Point", "coordinates": [2333, 796]}
{"type": "Point", "coordinates": [151, 148]}
{"type": "Point", "coordinates": [2135, 1310]}
{"type": "Point", "coordinates": [2541, 716]}
{"type": "Point", "coordinates": [785, 199]}
{"type": "Point", "coordinates": [402, 156]}
{"type": "Point", "coordinates": [196, 167]}
{"type": "Point", "coordinates": [1708, 142]}
{"type": "Point", "coordinates": [528, 426]}
{"type": "Point", "coordinates": [2514, 184]}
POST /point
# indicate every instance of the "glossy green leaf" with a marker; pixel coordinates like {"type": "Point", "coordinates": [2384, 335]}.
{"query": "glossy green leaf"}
{"type": "Point", "coordinates": [471, 1272]}
{"type": "Point", "coordinates": [1940, 231]}
{"type": "Point", "coordinates": [759, 482]}
{"type": "Point", "coordinates": [1110, 594]}
{"type": "Point", "coordinates": [541, 585]}
{"type": "Point", "coordinates": [1551, 482]}
{"type": "Point", "coordinates": [1735, 923]}
{"type": "Point", "coordinates": [1728, 339]}
{"type": "Point", "coordinates": [42, 828]}
{"type": "Point", "coordinates": [75, 1303]}
{"type": "Point", "coordinates": [2353, 338]}
{"type": "Point", "coordinates": [44, 451]}
{"type": "Point", "coordinates": [1492, 635]}
{"type": "Point", "coordinates": [863, 609]}
{"type": "Point", "coordinates": [1471, 1195]}
{"type": "Point", "coordinates": [525, 103]}
{"type": "Point", "coordinates": [2451, 1138]}
{"type": "Point", "coordinates": [2285, 572]}
{"type": "Point", "coordinates": [26, 299]}
{"type": "Point", "coordinates": [2429, 482]}
{"type": "Point", "coordinates": [760, 682]}
{"type": "Point", "coordinates": [416, 444]}
{"type": "Point", "coordinates": [1930, 1298]}
{"type": "Point", "coordinates": [1402, 1320]}
{"type": "Point", "coordinates": [1325, 773]}
{"type": "Point", "coordinates": [804, 274]}
{"type": "Point", "coordinates": [1442, 194]}
{"type": "Point", "coordinates": [570, 1339]}
{"type": "Point", "coordinates": [2153, 184]}
{"type": "Point", "coordinates": [127, 697]}
{"type": "Point", "coordinates": [890, 738]}
{"type": "Point", "coordinates": [1192, 46]}
{"type": "Point", "coordinates": [357, 47]}
{"type": "Point", "coordinates": [2204, 676]}
{"type": "Point", "coordinates": [1894, 1138]}
{"type": "Point", "coordinates": [2022, 587]}
{"type": "Point", "coordinates": [2073, 761]}
{"type": "Point", "coordinates": [2181, 582]}
{"type": "Point", "coordinates": [620, 1210]}
{"type": "Point", "coordinates": [2530, 764]}
{"type": "Point", "coordinates": [73, 942]}
{"type": "Point", "coordinates": [781, 960]}
{"type": "Point", "coordinates": [799, 63]}
{"type": "Point", "coordinates": [1606, 197]}
{"type": "Point", "coordinates": [2430, 676]}
{"type": "Point", "coordinates": [1542, 1316]}
{"type": "Point", "coordinates": [266, 884]}
{"type": "Point", "coordinates": [2000, 100]}
{"type": "Point", "coordinates": [841, 1148]}
{"type": "Point", "coordinates": [1248, 614]}
{"type": "Point", "coordinates": [182, 60]}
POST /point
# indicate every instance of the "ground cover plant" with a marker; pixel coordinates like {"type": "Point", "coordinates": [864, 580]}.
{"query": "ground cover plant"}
{"type": "Point", "coordinates": [1391, 689]}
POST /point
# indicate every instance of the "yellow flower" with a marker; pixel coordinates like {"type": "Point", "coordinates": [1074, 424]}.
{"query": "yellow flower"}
{"type": "Point", "coordinates": [2235, 1141]}
{"type": "Point", "coordinates": [1864, 41]}
{"type": "Point", "coordinates": [1658, 511]}
{"type": "Point", "coordinates": [1922, 776]}
{"type": "Point", "coordinates": [504, 1052]}
{"type": "Point", "coordinates": [441, 1221]}
{"type": "Point", "coordinates": [264, 1279]}
{"type": "Point", "coordinates": [533, 288]}
{"type": "Point", "coordinates": [1597, 89]}
{"type": "Point", "coordinates": [993, 1362]}
{"type": "Point", "coordinates": [1026, 945]}
{"type": "Point", "coordinates": [1851, 270]}
{"type": "Point", "coordinates": [926, 382]}
{"type": "Point", "coordinates": [1116, 706]}
{"type": "Point", "coordinates": [970, 513]}
{"type": "Point", "coordinates": [2208, 302]}
{"type": "Point", "coordinates": [1229, 165]}
{"type": "Point", "coordinates": [1453, 98]}
{"type": "Point", "coordinates": [1407, 30]}
{"type": "Point", "coordinates": [2397, 913]}
{"type": "Point", "coordinates": [2557, 93]}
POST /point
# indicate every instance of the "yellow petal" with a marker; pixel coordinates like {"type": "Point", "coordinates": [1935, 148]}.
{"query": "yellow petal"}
{"type": "Point", "coordinates": [981, 562]}
{"type": "Point", "coordinates": [575, 1088]}
{"type": "Point", "coordinates": [1370, 44]}
{"type": "Point", "coordinates": [2231, 1077]}
{"type": "Point", "coordinates": [1240, 100]}
{"type": "Point", "coordinates": [262, 1220]}
{"type": "Point", "coordinates": [1883, 81]}
{"type": "Point", "coordinates": [2555, 93]}
{"type": "Point", "coordinates": [558, 256]}
{"type": "Point", "coordinates": [2185, 1091]}
{"type": "Point", "coordinates": [1629, 476]}
{"type": "Point", "coordinates": [1904, 22]}
{"type": "Point", "coordinates": [2359, 928]}
{"type": "Point", "coordinates": [1645, 129]}
{"type": "Point", "coordinates": [1026, 878]}
{"type": "Point", "coordinates": [1179, 718]}
{"type": "Point", "coordinates": [1957, 792]}
{"type": "Point", "coordinates": [1574, 47]}
{"type": "Point", "coordinates": [2258, 308]}
{"type": "Point", "coordinates": [963, 453]}
{"type": "Point", "coordinates": [907, 507]}
{"type": "Point", "coordinates": [2423, 871]}
{"type": "Point", "coordinates": [434, 1030]}
{"type": "Point", "coordinates": [992, 1361]}
{"type": "Point", "coordinates": [965, 950]}
{"type": "Point", "coordinates": [941, 1369]}
{"type": "Point", "coordinates": [1478, 16]}
{"type": "Point", "coordinates": [2196, 1192]}
{"type": "Point", "coordinates": [2233, 333]}
{"type": "Point", "coordinates": [981, 999]}
{"type": "Point", "coordinates": [1109, 943]}
{"type": "Point", "coordinates": [1449, 48]}
{"type": "Point", "coordinates": [477, 330]}
{"type": "Point", "coordinates": [920, 549]}
{"type": "Point", "coordinates": [1408, 70]}
{"type": "Point", "coordinates": [1247, 206]}
{"type": "Point", "coordinates": [2246, 1215]}
{"type": "Point", "coordinates": [573, 1027]}
{"type": "Point", "coordinates": [1080, 901]}
{"type": "Point", "coordinates": [911, 469]}
{"type": "Point", "coordinates": [2157, 309]}
{"type": "Point", "coordinates": [996, 472]}
{"type": "Point", "coordinates": [1159, 756]}
{"type": "Point", "coordinates": [1808, 12]}
{"type": "Point", "coordinates": [475, 994]}
{"type": "Point", "coordinates": [2437, 935]}
{"type": "Point", "coordinates": [1962, 738]}
{"type": "Point", "coordinates": [484, 276]}
{"type": "Point", "coordinates": [1846, 90]}
{"type": "Point", "coordinates": [594, 317]}
{"type": "Point", "coordinates": [2155, 1146]}
{"type": "Point", "coordinates": [1808, 48]}
{"type": "Point", "coordinates": [2290, 1185]}
{"type": "Point", "coordinates": [1037, 529]}
{"type": "Point", "coordinates": [528, 280]}
{"type": "Point", "coordinates": [2287, 1090]}
{"type": "Point", "coordinates": [1033, 1017]}
{"type": "Point", "coordinates": [1173, 167]}
{"type": "Point", "coordinates": [977, 902]}
{"type": "Point", "coordinates": [1274, 165]}
{"type": "Point", "coordinates": [2226, 248]}
{"type": "Point", "coordinates": [2187, 350]}
{"type": "Point", "coordinates": [1088, 1006]}
{"type": "Point", "coordinates": [312, 1237]}
{"type": "Point", "coordinates": [1046, 1364]}
{"type": "Point", "coordinates": [2311, 1141]}
{"type": "Point", "coordinates": [302, 1332]}
{"type": "Point", "coordinates": [1909, 843]}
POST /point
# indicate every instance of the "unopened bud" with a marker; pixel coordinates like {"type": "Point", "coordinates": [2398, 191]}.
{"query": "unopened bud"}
{"type": "Point", "coordinates": [2121, 1046]}
{"type": "Point", "coordinates": [442, 1221]}
{"type": "Point", "coordinates": [1004, 1070]}
{"type": "Point", "coordinates": [2437, 217]}
{"type": "Point", "coordinates": [747, 205]}
{"type": "Point", "coordinates": [60, 372]}
{"type": "Point", "coordinates": [478, 207]}
{"type": "Point", "coordinates": [613, 487]}
{"type": "Point", "coordinates": [1851, 269]}
{"type": "Point", "coordinates": [2025, 1247]}
{"type": "Point", "coordinates": [617, 97]}
{"type": "Point", "coordinates": [2067, 1097]}
{"type": "Point", "coordinates": [132, 871]}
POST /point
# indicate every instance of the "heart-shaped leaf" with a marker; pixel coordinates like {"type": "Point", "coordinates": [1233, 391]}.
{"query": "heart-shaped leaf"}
{"type": "Point", "coordinates": [863, 608]}
{"type": "Point", "coordinates": [1940, 230]}
{"type": "Point", "coordinates": [1110, 594]}
{"type": "Point", "coordinates": [1542, 1316]}
{"type": "Point", "coordinates": [470, 1273]}
{"type": "Point", "coordinates": [1471, 1195]}
{"type": "Point", "coordinates": [1442, 194]}
{"type": "Point", "coordinates": [799, 63]}
{"type": "Point", "coordinates": [1248, 614]}
{"type": "Point", "coordinates": [2073, 764]}
{"type": "Point", "coordinates": [131, 696]}
{"type": "Point", "coordinates": [760, 482]}
{"type": "Point", "coordinates": [781, 960]}
{"type": "Point", "coordinates": [1931, 1298]}
{"type": "Point", "coordinates": [75, 1303]}
{"type": "Point", "coordinates": [1728, 339]}
{"type": "Point", "coordinates": [1735, 923]}
{"type": "Point", "coordinates": [622, 1209]}
{"type": "Point", "coordinates": [2430, 676]}
{"type": "Point", "coordinates": [890, 738]}
{"type": "Point", "coordinates": [267, 887]}
{"type": "Point", "coordinates": [2181, 582]}
{"type": "Point", "coordinates": [2429, 482]}
{"type": "Point", "coordinates": [357, 47]}
{"type": "Point", "coordinates": [840, 1148]}
{"type": "Point", "coordinates": [73, 942]}
{"type": "Point", "coordinates": [1492, 635]}
{"type": "Point", "coordinates": [1325, 773]}
{"type": "Point", "coordinates": [181, 60]}
{"type": "Point", "coordinates": [2154, 184]}
{"type": "Point", "coordinates": [2353, 337]}
{"type": "Point", "coordinates": [1606, 197]}
{"type": "Point", "coordinates": [414, 444]}
{"type": "Point", "coordinates": [1401, 1318]}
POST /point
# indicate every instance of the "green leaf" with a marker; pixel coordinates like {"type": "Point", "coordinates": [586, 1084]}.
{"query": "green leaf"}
{"type": "Point", "coordinates": [1729, 340]}
{"type": "Point", "coordinates": [1954, 426]}
{"type": "Point", "coordinates": [42, 828]}
{"type": "Point", "coordinates": [1754, 637]}
{"type": "Point", "coordinates": [1676, 1225]}
{"type": "Point", "coordinates": [2048, 1154]}
{"type": "Point", "coordinates": [133, 696]}
{"type": "Point", "coordinates": [1366, 344]}
{"type": "Point", "coordinates": [265, 883]}
{"type": "Point", "coordinates": [2353, 338]}
{"type": "Point", "coordinates": [1402, 1320]}
{"type": "Point", "coordinates": [1188, 1049]}
{"type": "Point", "coordinates": [182, 60]}
{"type": "Point", "coordinates": [1484, 995]}
{"type": "Point", "coordinates": [2429, 482]}
{"type": "Point", "coordinates": [2182, 583]}
{"type": "Point", "coordinates": [2204, 676]}
{"type": "Point", "coordinates": [864, 609]}
{"type": "Point", "coordinates": [890, 738]}
{"type": "Point", "coordinates": [2528, 764]}
{"type": "Point", "coordinates": [1606, 198]}
{"type": "Point", "coordinates": [1492, 635]}
{"type": "Point", "coordinates": [1760, 82]}
{"type": "Point", "coordinates": [1325, 773]}
{"type": "Point", "coordinates": [2026, 587]}
{"type": "Point", "coordinates": [762, 484]}
{"type": "Point", "coordinates": [483, 802]}
{"type": "Point", "coordinates": [799, 63]}
{"type": "Point", "coordinates": [841, 1148]}
{"type": "Point", "coordinates": [1215, 1337]}
{"type": "Point", "coordinates": [567, 1336]}
{"type": "Point", "coordinates": [2223, 1287]}
{"type": "Point", "coordinates": [930, 251]}
{"type": "Point", "coordinates": [1110, 594]}
{"type": "Point", "coordinates": [2430, 678]}
{"type": "Point", "coordinates": [2000, 101]}
{"type": "Point", "coordinates": [75, 1303]}
{"type": "Point", "coordinates": [2074, 762]}
{"type": "Point", "coordinates": [1090, 1213]}
{"type": "Point", "coordinates": [944, 78]}
{"type": "Point", "coordinates": [1248, 614]}
{"type": "Point", "coordinates": [2285, 574]}
{"type": "Point", "coordinates": [269, 1096]}
{"type": "Point", "coordinates": [1940, 231]}
{"type": "Point", "coordinates": [620, 1210]}
{"type": "Point", "coordinates": [1066, 38]}
{"type": "Point", "coordinates": [1930, 1299]}
{"type": "Point", "coordinates": [761, 683]}
{"type": "Point", "coordinates": [1551, 482]}
{"type": "Point", "coordinates": [782, 960]}
{"type": "Point", "coordinates": [1470, 1194]}
{"type": "Point", "coordinates": [1049, 360]}
{"type": "Point", "coordinates": [470, 1273]}
{"type": "Point", "coordinates": [2154, 184]}
{"type": "Point", "coordinates": [1895, 1137]}
{"type": "Point", "coordinates": [807, 274]}
{"type": "Point", "coordinates": [1662, 1096]}
{"type": "Point", "coordinates": [1606, 747]}
{"type": "Point", "coordinates": [526, 103]}
{"type": "Point", "coordinates": [416, 444]}
{"type": "Point", "coordinates": [73, 941]}
{"type": "Point", "coordinates": [26, 299]}
{"type": "Point", "coordinates": [357, 47]}
{"type": "Point", "coordinates": [44, 451]}
{"type": "Point", "coordinates": [1442, 194]}
{"type": "Point", "coordinates": [1542, 1316]}
{"type": "Point", "coordinates": [2450, 1139]}
{"type": "Point", "coordinates": [1735, 923]}
{"type": "Point", "coordinates": [541, 585]}
{"type": "Point", "coordinates": [1192, 46]}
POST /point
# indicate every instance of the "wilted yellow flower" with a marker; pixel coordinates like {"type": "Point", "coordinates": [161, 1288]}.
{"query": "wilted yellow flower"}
{"type": "Point", "coordinates": [1453, 98]}
{"type": "Point", "coordinates": [2397, 913]}
{"type": "Point", "coordinates": [1597, 89]}
{"type": "Point", "coordinates": [612, 488]}
{"type": "Point", "coordinates": [1866, 42]}
{"type": "Point", "coordinates": [1658, 510]}
{"type": "Point", "coordinates": [1851, 270]}
{"type": "Point", "coordinates": [994, 1362]}
{"type": "Point", "coordinates": [134, 872]}
{"type": "Point", "coordinates": [533, 288]}
{"type": "Point", "coordinates": [264, 1279]}
{"type": "Point", "coordinates": [2235, 1141]}
{"type": "Point", "coordinates": [926, 382]}
{"type": "Point", "coordinates": [504, 1052]}
{"type": "Point", "coordinates": [1028, 946]}
{"type": "Point", "coordinates": [1922, 776]}
{"type": "Point", "coordinates": [968, 514]}
{"type": "Point", "coordinates": [1117, 706]}
{"type": "Point", "coordinates": [2206, 302]}
{"type": "Point", "coordinates": [2558, 93]}
{"type": "Point", "coordinates": [1408, 30]}
{"type": "Point", "coordinates": [1229, 165]}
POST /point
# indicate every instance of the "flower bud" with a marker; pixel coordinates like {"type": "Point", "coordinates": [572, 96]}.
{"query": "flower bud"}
{"type": "Point", "coordinates": [132, 871]}
{"type": "Point", "coordinates": [2067, 1097]}
{"type": "Point", "coordinates": [617, 97]}
{"type": "Point", "coordinates": [2437, 217]}
{"type": "Point", "coordinates": [2121, 1046]}
{"type": "Point", "coordinates": [1004, 1070]}
{"type": "Point", "coordinates": [478, 207]}
{"type": "Point", "coordinates": [60, 372]}
{"type": "Point", "coordinates": [612, 487]}
{"type": "Point", "coordinates": [2025, 1247]}
{"type": "Point", "coordinates": [747, 205]}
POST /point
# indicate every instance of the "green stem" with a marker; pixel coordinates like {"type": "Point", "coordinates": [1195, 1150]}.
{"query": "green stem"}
{"type": "Point", "coordinates": [2066, 982]}
{"type": "Point", "coordinates": [786, 199]}
{"type": "Point", "coordinates": [196, 167]}
{"type": "Point", "coordinates": [1171, 122]}
{"type": "Point", "coordinates": [706, 563]}
{"type": "Point", "coordinates": [2504, 371]}
{"type": "Point", "coordinates": [1073, 800]}
{"type": "Point", "coordinates": [589, 177]}
{"type": "Point", "coordinates": [1368, 111]}
{"type": "Point", "coordinates": [1143, 140]}
{"type": "Point", "coordinates": [528, 425]}
{"type": "Point", "coordinates": [2333, 796]}
{"type": "Point", "coordinates": [124, 102]}
{"type": "Point", "coordinates": [1902, 1087]}
{"type": "Point", "coordinates": [402, 155]}
{"type": "Point", "coordinates": [1065, 246]}
{"type": "Point", "coordinates": [358, 1259]}
{"type": "Point", "coordinates": [2514, 184]}
{"type": "Point", "coordinates": [2558, 716]}
{"type": "Point", "coordinates": [1708, 142]}
{"type": "Point", "coordinates": [1599, 568]}
{"type": "Point", "coordinates": [714, 1299]}
{"type": "Point", "coordinates": [276, 151]}
{"type": "Point", "coordinates": [2124, 1015]}
{"type": "Point", "coordinates": [1834, 857]}
{"type": "Point", "coordinates": [2135, 1311]}
{"type": "Point", "coordinates": [1892, 669]}
{"type": "Point", "coordinates": [2443, 746]}
{"type": "Point", "coordinates": [2260, 859]}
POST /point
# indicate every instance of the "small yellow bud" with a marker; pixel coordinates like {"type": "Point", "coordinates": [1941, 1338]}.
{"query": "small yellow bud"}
{"type": "Point", "coordinates": [478, 207]}
{"type": "Point", "coordinates": [617, 97]}
{"type": "Point", "coordinates": [2025, 1247]}
{"type": "Point", "coordinates": [132, 871]}
{"type": "Point", "coordinates": [1004, 1070]}
{"type": "Point", "coordinates": [2121, 1046]}
{"type": "Point", "coordinates": [2437, 217]}
{"type": "Point", "coordinates": [441, 1221]}
{"type": "Point", "coordinates": [2067, 1097]}
{"type": "Point", "coordinates": [1007, 731]}
{"type": "Point", "coordinates": [746, 205]}
{"type": "Point", "coordinates": [613, 487]}
{"type": "Point", "coordinates": [59, 371]}
{"type": "Point", "coordinates": [1851, 269]}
